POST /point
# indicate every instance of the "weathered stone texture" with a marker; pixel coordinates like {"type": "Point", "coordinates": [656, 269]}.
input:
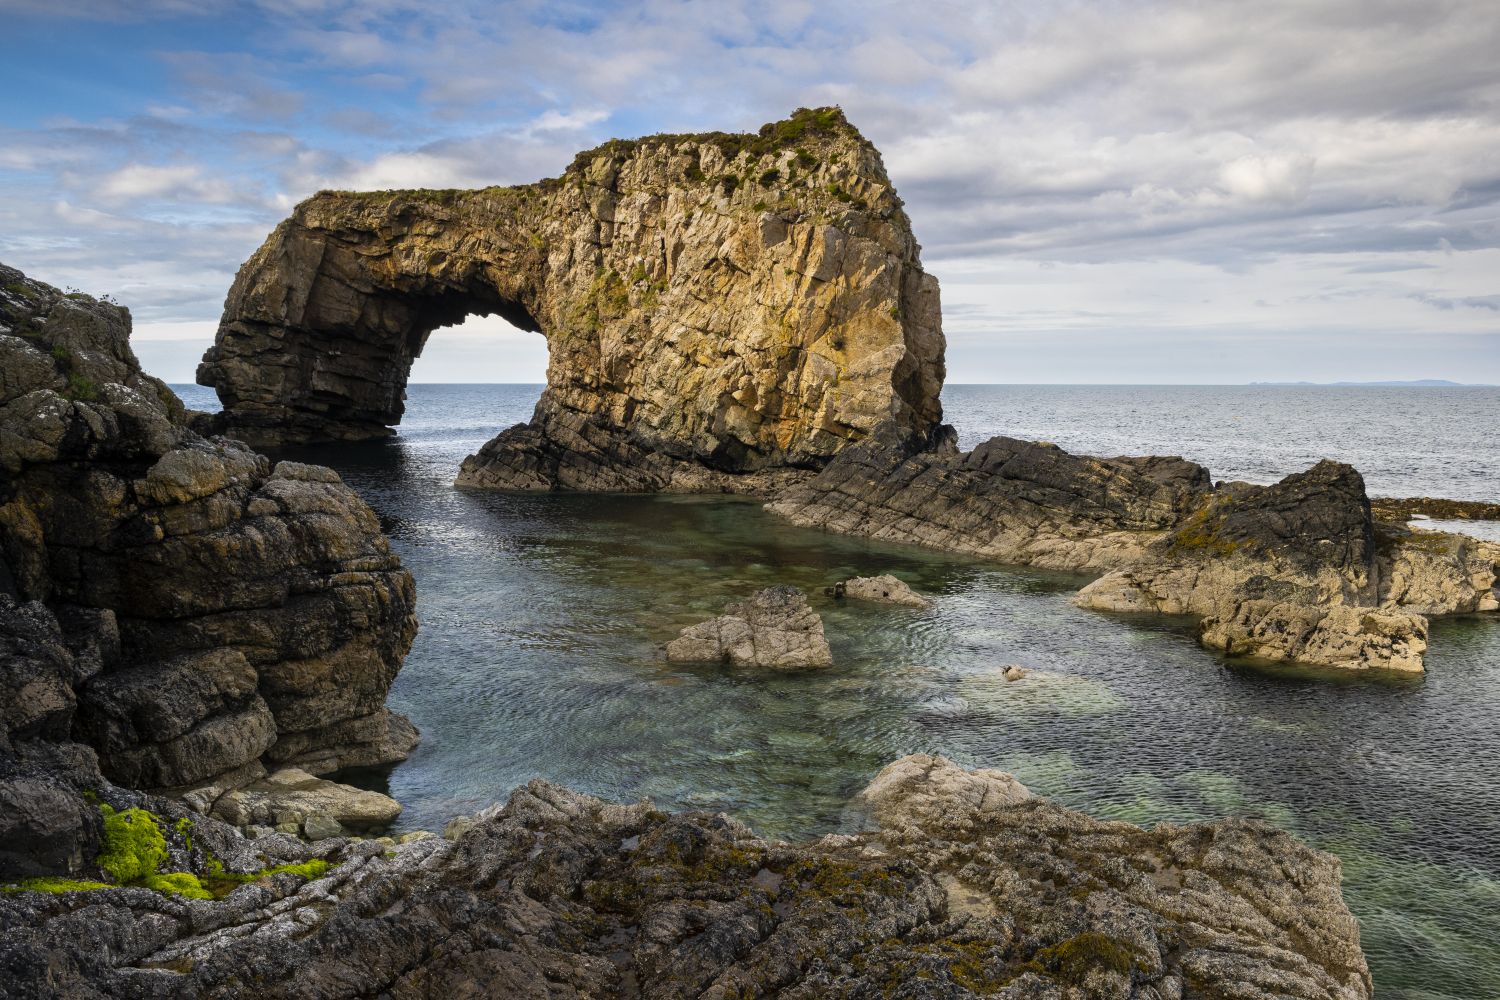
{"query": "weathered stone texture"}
{"type": "Point", "coordinates": [971, 888]}
{"type": "Point", "coordinates": [719, 311]}
{"type": "Point", "coordinates": [774, 628]}
{"type": "Point", "coordinates": [175, 602]}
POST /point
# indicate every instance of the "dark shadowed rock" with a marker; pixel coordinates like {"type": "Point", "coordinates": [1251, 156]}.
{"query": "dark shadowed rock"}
{"type": "Point", "coordinates": [174, 602]}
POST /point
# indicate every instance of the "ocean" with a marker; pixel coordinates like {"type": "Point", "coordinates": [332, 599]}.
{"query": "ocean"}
{"type": "Point", "coordinates": [542, 616]}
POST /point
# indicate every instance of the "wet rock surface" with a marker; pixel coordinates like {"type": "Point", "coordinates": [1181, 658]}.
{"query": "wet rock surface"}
{"type": "Point", "coordinates": [723, 313]}
{"type": "Point", "coordinates": [176, 605]}
{"type": "Point", "coordinates": [775, 628]}
{"type": "Point", "coordinates": [965, 892]}
{"type": "Point", "coordinates": [883, 589]}
{"type": "Point", "coordinates": [1298, 571]}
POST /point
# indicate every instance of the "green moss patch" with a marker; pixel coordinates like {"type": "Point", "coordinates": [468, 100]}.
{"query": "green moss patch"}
{"type": "Point", "coordinates": [134, 846]}
{"type": "Point", "coordinates": [134, 849]}
{"type": "Point", "coordinates": [1073, 959]}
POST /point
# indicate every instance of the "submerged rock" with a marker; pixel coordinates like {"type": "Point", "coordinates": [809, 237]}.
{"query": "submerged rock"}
{"type": "Point", "coordinates": [775, 628]}
{"type": "Point", "coordinates": [970, 888]}
{"type": "Point", "coordinates": [722, 312]}
{"type": "Point", "coordinates": [884, 589]}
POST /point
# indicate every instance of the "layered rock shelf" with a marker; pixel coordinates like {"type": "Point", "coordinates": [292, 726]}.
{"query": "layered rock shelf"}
{"type": "Point", "coordinates": [721, 311]}
{"type": "Point", "coordinates": [178, 608]}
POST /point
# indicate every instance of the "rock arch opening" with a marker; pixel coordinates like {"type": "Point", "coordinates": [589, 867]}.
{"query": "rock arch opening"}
{"type": "Point", "coordinates": [332, 363]}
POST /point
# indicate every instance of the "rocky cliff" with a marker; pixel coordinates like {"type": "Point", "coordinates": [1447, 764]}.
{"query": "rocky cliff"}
{"type": "Point", "coordinates": [1298, 571]}
{"type": "Point", "coordinates": [966, 886]}
{"type": "Point", "coordinates": [175, 605]}
{"type": "Point", "coordinates": [719, 309]}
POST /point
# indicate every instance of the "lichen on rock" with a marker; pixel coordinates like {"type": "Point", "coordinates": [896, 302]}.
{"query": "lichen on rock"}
{"type": "Point", "coordinates": [969, 887]}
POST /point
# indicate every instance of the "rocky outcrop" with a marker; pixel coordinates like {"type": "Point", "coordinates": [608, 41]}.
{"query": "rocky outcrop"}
{"type": "Point", "coordinates": [1298, 571]}
{"type": "Point", "coordinates": [1013, 501]}
{"type": "Point", "coordinates": [177, 604]}
{"type": "Point", "coordinates": [923, 790]}
{"type": "Point", "coordinates": [721, 311]}
{"type": "Point", "coordinates": [883, 589]}
{"type": "Point", "coordinates": [775, 628]}
{"type": "Point", "coordinates": [971, 888]}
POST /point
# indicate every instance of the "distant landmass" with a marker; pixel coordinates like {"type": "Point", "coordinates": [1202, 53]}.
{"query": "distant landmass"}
{"type": "Point", "coordinates": [1419, 382]}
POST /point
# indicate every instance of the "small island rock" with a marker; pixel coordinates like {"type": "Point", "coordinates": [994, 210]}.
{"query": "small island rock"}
{"type": "Point", "coordinates": [884, 589]}
{"type": "Point", "coordinates": [774, 628]}
{"type": "Point", "coordinates": [921, 789]}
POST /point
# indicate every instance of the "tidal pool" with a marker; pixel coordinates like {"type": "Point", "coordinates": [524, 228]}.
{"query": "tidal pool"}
{"type": "Point", "coordinates": [541, 617]}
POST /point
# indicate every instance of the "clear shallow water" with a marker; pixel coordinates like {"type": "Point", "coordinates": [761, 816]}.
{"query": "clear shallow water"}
{"type": "Point", "coordinates": [541, 616]}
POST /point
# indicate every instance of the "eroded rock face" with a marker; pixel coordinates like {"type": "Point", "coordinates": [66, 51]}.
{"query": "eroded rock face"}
{"type": "Point", "coordinates": [1298, 571]}
{"type": "Point", "coordinates": [968, 893]}
{"type": "Point", "coordinates": [775, 628]}
{"type": "Point", "coordinates": [720, 311]}
{"type": "Point", "coordinates": [176, 603]}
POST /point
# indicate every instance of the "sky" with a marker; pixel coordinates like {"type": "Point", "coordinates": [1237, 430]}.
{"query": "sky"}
{"type": "Point", "coordinates": [1205, 192]}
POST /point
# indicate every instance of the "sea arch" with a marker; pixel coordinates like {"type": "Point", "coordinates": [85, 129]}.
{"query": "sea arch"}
{"type": "Point", "coordinates": [715, 306]}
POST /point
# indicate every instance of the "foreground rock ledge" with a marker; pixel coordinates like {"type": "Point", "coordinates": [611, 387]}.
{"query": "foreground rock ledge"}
{"type": "Point", "coordinates": [722, 312]}
{"type": "Point", "coordinates": [970, 888]}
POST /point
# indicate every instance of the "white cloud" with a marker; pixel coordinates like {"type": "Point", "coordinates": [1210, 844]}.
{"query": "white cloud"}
{"type": "Point", "coordinates": [149, 181]}
{"type": "Point", "coordinates": [1283, 179]}
{"type": "Point", "coordinates": [1318, 165]}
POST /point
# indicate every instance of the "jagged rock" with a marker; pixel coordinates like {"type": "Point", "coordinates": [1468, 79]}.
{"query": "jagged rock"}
{"type": "Point", "coordinates": [175, 602]}
{"type": "Point", "coordinates": [293, 796]}
{"type": "Point", "coordinates": [722, 312]}
{"type": "Point", "coordinates": [562, 895]}
{"type": "Point", "coordinates": [1297, 571]}
{"type": "Point", "coordinates": [884, 589]}
{"type": "Point", "coordinates": [775, 628]}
